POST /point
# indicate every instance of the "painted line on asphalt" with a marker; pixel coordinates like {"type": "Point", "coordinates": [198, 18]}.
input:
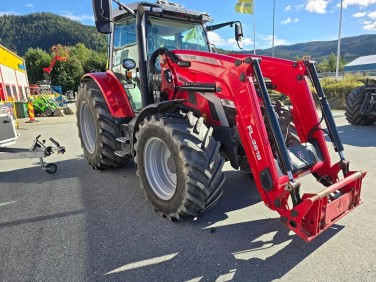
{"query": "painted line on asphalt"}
{"type": "Point", "coordinates": [143, 263]}
{"type": "Point", "coordinates": [8, 203]}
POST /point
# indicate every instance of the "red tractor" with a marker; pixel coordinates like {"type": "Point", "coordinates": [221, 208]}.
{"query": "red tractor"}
{"type": "Point", "coordinates": [180, 110]}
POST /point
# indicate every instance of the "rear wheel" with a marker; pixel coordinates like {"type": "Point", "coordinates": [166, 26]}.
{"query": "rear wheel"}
{"type": "Point", "coordinates": [179, 164]}
{"type": "Point", "coordinates": [354, 103]}
{"type": "Point", "coordinates": [51, 168]}
{"type": "Point", "coordinates": [97, 128]}
{"type": "Point", "coordinates": [49, 112]}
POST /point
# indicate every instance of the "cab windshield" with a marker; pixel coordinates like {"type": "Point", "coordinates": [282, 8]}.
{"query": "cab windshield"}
{"type": "Point", "coordinates": [173, 34]}
{"type": "Point", "coordinates": [160, 33]}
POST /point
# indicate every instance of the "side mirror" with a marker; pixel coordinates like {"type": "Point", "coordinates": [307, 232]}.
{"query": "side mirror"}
{"type": "Point", "coordinates": [239, 34]}
{"type": "Point", "coordinates": [103, 15]}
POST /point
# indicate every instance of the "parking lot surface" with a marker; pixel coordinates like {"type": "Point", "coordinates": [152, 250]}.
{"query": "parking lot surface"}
{"type": "Point", "coordinates": [80, 224]}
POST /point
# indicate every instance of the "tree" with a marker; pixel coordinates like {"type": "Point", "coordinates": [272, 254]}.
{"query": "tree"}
{"type": "Point", "coordinates": [67, 74]}
{"type": "Point", "coordinates": [36, 60]}
{"type": "Point", "coordinates": [330, 64]}
{"type": "Point", "coordinates": [81, 60]}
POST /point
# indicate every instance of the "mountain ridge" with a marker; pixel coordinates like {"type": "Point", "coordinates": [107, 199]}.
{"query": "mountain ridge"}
{"type": "Point", "coordinates": [42, 30]}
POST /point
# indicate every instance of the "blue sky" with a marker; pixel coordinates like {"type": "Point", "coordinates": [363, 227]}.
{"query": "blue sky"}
{"type": "Point", "coordinates": [296, 21]}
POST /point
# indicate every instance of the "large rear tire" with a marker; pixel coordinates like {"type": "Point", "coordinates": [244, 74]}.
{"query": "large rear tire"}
{"type": "Point", "coordinates": [179, 164]}
{"type": "Point", "coordinates": [97, 128]}
{"type": "Point", "coordinates": [354, 103]}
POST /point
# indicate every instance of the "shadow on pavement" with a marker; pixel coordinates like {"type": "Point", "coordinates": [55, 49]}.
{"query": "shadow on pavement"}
{"type": "Point", "coordinates": [360, 136]}
{"type": "Point", "coordinates": [128, 242]}
{"type": "Point", "coordinates": [125, 240]}
{"type": "Point", "coordinates": [40, 218]}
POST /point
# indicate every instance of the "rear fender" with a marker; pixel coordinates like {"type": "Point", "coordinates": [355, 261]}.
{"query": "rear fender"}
{"type": "Point", "coordinates": [113, 92]}
{"type": "Point", "coordinates": [370, 83]}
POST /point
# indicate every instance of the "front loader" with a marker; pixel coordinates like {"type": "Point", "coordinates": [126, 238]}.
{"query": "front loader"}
{"type": "Point", "coordinates": [180, 110]}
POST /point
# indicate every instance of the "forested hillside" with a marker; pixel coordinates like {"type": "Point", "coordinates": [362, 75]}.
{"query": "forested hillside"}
{"type": "Point", "coordinates": [42, 30]}
{"type": "Point", "coordinates": [351, 48]}
{"type": "Point", "coordinates": [32, 36]}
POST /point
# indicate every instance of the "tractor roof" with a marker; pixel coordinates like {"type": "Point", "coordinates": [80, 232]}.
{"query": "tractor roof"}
{"type": "Point", "coordinates": [169, 9]}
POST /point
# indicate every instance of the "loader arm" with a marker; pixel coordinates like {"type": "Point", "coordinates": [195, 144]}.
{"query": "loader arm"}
{"type": "Point", "coordinates": [276, 167]}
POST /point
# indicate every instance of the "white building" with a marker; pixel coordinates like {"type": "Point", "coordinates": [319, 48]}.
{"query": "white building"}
{"type": "Point", "coordinates": [14, 85]}
{"type": "Point", "coordinates": [366, 63]}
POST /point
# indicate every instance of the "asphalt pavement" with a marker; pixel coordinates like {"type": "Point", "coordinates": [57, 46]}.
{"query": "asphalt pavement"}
{"type": "Point", "coordinates": [80, 224]}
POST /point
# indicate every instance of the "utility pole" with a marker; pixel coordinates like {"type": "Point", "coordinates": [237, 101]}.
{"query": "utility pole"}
{"type": "Point", "coordinates": [339, 40]}
{"type": "Point", "coordinates": [254, 29]}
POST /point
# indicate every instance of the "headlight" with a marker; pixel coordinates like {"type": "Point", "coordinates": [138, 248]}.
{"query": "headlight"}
{"type": "Point", "coordinates": [228, 103]}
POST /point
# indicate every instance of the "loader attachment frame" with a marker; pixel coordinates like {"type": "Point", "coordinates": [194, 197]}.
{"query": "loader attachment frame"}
{"type": "Point", "coordinates": [317, 212]}
{"type": "Point", "coordinates": [311, 213]}
{"type": "Point", "coordinates": [273, 162]}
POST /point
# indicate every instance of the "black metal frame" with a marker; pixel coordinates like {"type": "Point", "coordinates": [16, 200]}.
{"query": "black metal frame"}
{"type": "Point", "coordinates": [326, 111]}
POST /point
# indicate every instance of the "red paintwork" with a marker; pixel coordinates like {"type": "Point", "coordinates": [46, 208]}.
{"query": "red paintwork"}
{"type": "Point", "coordinates": [222, 70]}
{"type": "Point", "coordinates": [317, 212]}
{"type": "Point", "coordinates": [113, 92]}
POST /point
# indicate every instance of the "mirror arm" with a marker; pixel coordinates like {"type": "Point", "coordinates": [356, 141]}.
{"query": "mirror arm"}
{"type": "Point", "coordinates": [218, 26]}
{"type": "Point", "coordinates": [125, 7]}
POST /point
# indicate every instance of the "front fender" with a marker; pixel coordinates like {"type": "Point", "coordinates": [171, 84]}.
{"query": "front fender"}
{"type": "Point", "coordinates": [113, 92]}
{"type": "Point", "coordinates": [161, 107]}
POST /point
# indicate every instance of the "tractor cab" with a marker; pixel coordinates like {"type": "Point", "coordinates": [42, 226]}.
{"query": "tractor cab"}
{"type": "Point", "coordinates": [138, 30]}
{"type": "Point", "coordinates": [159, 33]}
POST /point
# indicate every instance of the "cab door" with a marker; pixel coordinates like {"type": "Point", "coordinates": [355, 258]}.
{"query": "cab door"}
{"type": "Point", "coordinates": [125, 47]}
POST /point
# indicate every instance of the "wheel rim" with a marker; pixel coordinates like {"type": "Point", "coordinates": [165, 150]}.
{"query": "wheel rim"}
{"type": "Point", "coordinates": [160, 168]}
{"type": "Point", "coordinates": [88, 129]}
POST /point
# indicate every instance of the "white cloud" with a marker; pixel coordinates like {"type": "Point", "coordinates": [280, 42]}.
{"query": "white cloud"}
{"type": "Point", "coordinates": [215, 38]}
{"type": "Point", "coordinates": [277, 41]}
{"type": "Point", "coordinates": [29, 6]}
{"type": "Point", "coordinates": [289, 20]}
{"type": "Point", "coordinates": [245, 42]}
{"type": "Point", "coordinates": [77, 17]}
{"type": "Point", "coordinates": [231, 43]}
{"type": "Point", "coordinates": [370, 26]}
{"type": "Point", "coordinates": [361, 3]}
{"type": "Point", "coordinates": [367, 24]}
{"type": "Point", "coordinates": [372, 15]}
{"type": "Point", "coordinates": [317, 6]}
{"type": "Point", "coordinates": [288, 8]}
{"type": "Point", "coordinates": [359, 14]}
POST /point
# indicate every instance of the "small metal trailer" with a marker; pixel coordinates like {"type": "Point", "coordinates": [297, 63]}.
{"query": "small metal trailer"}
{"type": "Point", "coordinates": [38, 149]}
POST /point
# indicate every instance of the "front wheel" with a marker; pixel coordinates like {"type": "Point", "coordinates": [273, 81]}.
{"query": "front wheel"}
{"type": "Point", "coordinates": [179, 164]}
{"type": "Point", "coordinates": [49, 112]}
{"type": "Point", "coordinates": [97, 128]}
